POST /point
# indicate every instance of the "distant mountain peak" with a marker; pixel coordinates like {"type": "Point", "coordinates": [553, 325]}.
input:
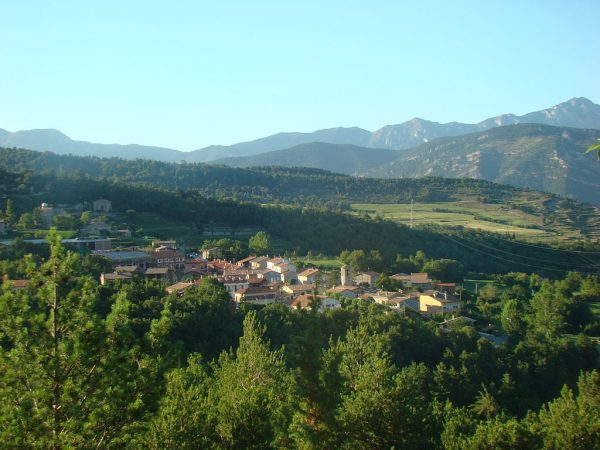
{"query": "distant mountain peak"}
{"type": "Point", "coordinates": [577, 112]}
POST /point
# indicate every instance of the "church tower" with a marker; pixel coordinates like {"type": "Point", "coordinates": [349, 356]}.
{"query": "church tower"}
{"type": "Point", "coordinates": [346, 275]}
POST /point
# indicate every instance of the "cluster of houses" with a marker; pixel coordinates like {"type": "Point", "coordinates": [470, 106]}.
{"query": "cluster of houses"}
{"type": "Point", "coordinates": [263, 280]}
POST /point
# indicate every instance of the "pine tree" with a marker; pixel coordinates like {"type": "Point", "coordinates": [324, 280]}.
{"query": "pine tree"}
{"type": "Point", "coordinates": [70, 378]}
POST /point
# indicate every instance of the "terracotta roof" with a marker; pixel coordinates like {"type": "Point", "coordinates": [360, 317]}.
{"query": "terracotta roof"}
{"type": "Point", "coordinates": [308, 272]}
{"type": "Point", "coordinates": [116, 276]}
{"type": "Point", "coordinates": [370, 273]}
{"type": "Point", "coordinates": [127, 269]}
{"type": "Point", "coordinates": [420, 277]}
{"type": "Point", "coordinates": [241, 262]}
{"type": "Point", "coordinates": [302, 301]}
{"type": "Point", "coordinates": [179, 287]}
{"type": "Point", "coordinates": [260, 259]}
{"type": "Point", "coordinates": [19, 284]}
{"type": "Point", "coordinates": [344, 288]}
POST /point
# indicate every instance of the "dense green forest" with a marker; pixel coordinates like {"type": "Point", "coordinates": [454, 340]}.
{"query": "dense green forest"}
{"type": "Point", "coordinates": [310, 229]}
{"type": "Point", "coordinates": [304, 186]}
{"type": "Point", "coordinates": [127, 366]}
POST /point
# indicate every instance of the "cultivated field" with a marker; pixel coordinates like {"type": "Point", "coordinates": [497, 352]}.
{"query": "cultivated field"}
{"type": "Point", "coordinates": [495, 218]}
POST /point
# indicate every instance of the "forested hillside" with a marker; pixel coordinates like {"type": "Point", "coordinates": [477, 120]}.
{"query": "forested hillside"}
{"type": "Point", "coordinates": [346, 159]}
{"type": "Point", "coordinates": [308, 229]}
{"type": "Point", "coordinates": [128, 366]}
{"type": "Point", "coordinates": [311, 187]}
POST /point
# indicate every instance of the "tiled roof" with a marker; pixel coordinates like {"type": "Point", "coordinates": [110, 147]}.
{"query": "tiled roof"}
{"type": "Point", "coordinates": [179, 287]}
{"type": "Point", "coordinates": [308, 272]}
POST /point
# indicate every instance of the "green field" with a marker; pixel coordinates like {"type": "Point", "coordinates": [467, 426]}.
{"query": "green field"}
{"type": "Point", "coordinates": [495, 218]}
{"type": "Point", "coordinates": [326, 264]}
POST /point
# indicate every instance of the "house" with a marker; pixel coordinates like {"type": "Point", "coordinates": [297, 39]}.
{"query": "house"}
{"type": "Point", "coordinates": [246, 261]}
{"type": "Point", "coordinates": [345, 291]}
{"type": "Point", "coordinates": [219, 266]}
{"type": "Point", "coordinates": [288, 276]}
{"type": "Point", "coordinates": [100, 244]}
{"type": "Point", "coordinates": [369, 278]}
{"type": "Point", "coordinates": [233, 283]}
{"type": "Point", "coordinates": [179, 288]}
{"type": "Point", "coordinates": [168, 258]}
{"type": "Point", "coordinates": [257, 295]}
{"type": "Point", "coordinates": [308, 301]}
{"type": "Point", "coordinates": [309, 276]}
{"type": "Point", "coordinates": [274, 261]}
{"type": "Point", "coordinates": [284, 268]}
{"type": "Point", "coordinates": [102, 205]}
{"type": "Point", "coordinates": [114, 276]}
{"type": "Point", "coordinates": [128, 258]}
{"type": "Point", "coordinates": [129, 270]}
{"type": "Point", "coordinates": [194, 268]}
{"type": "Point", "coordinates": [259, 262]}
{"type": "Point", "coordinates": [397, 300]}
{"type": "Point", "coordinates": [270, 276]}
{"type": "Point", "coordinates": [298, 289]}
{"type": "Point", "coordinates": [418, 280]}
{"type": "Point", "coordinates": [160, 273]}
{"type": "Point", "coordinates": [435, 302]}
{"type": "Point", "coordinates": [211, 253]}
{"type": "Point", "coordinates": [237, 270]}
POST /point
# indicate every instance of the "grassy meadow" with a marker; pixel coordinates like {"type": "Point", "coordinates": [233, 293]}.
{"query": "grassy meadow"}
{"type": "Point", "coordinates": [496, 218]}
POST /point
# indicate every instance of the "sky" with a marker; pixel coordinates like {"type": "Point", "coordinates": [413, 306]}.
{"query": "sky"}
{"type": "Point", "coordinates": [188, 74]}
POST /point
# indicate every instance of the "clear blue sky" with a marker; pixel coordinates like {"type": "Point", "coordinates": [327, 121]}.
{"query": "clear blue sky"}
{"type": "Point", "coordinates": [186, 74]}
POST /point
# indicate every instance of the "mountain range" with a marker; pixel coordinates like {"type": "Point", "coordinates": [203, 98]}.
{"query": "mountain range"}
{"type": "Point", "coordinates": [541, 150]}
{"type": "Point", "coordinates": [535, 156]}
{"type": "Point", "coordinates": [577, 112]}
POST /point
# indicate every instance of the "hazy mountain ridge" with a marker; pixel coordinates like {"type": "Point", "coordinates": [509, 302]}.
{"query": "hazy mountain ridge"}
{"type": "Point", "coordinates": [577, 112]}
{"type": "Point", "coordinates": [55, 141]}
{"type": "Point", "coordinates": [351, 136]}
{"type": "Point", "coordinates": [346, 159]}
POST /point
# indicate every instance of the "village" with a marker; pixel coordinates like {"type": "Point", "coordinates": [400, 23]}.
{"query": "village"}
{"type": "Point", "coordinates": [263, 280]}
{"type": "Point", "coordinates": [256, 279]}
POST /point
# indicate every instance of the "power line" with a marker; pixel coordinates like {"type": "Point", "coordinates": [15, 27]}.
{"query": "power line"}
{"type": "Point", "coordinates": [523, 256]}
{"type": "Point", "coordinates": [545, 248]}
{"type": "Point", "coordinates": [513, 262]}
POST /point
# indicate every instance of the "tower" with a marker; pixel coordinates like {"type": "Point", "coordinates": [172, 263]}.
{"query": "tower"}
{"type": "Point", "coordinates": [346, 275]}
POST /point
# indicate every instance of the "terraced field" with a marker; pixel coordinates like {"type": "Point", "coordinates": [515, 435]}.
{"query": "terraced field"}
{"type": "Point", "coordinates": [532, 220]}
